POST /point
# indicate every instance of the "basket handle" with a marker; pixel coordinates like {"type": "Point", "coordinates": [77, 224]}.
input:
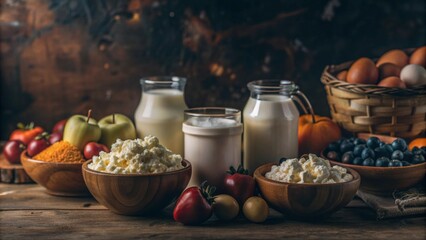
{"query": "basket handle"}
{"type": "Point", "coordinates": [304, 103]}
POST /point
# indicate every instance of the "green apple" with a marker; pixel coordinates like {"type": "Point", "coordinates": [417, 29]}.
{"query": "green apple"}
{"type": "Point", "coordinates": [116, 126]}
{"type": "Point", "coordinates": [79, 130]}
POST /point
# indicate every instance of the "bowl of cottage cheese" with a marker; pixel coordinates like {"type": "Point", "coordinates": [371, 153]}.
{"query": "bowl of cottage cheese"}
{"type": "Point", "coordinates": [307, 187]}
{"type": "Point", "coordinates": [137, 177]}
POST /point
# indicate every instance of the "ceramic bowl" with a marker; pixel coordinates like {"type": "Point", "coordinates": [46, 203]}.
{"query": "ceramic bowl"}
{"type": "Point", "coordinates": [307, 201]}
{"type": "Point", "coordinates": [136, 194]}
{"type": "Point", "coordinates": [59, 178]}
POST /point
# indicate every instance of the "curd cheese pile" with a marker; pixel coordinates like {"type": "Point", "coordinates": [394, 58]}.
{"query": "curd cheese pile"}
{"type": "Point", "coordinates": [311, 170]}
{"type": "Point", "coordinates": [137, 156]}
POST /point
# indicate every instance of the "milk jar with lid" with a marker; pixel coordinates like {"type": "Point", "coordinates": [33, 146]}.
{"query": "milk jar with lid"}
{"type": "Point", "coordinates": [270, 122]}
{"type": "Point", "coordinates": [160, 111]}
{"type": "Point", "coordinates": [212, 143]}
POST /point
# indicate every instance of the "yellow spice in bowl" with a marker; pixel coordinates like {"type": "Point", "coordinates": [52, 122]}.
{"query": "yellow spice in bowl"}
{"type": "Point", "coordinates": [61, 151]}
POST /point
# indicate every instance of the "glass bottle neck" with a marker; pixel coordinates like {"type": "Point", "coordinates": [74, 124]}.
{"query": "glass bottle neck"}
{"type": "Point", "coordinates": [163, 83]}
{"type": "Point", "coordinates": [272, 87]}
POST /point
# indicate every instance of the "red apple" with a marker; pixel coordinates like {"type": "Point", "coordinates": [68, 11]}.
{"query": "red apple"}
{"type": "Point", "coordinates": [59, 126]}
{"type": "Point", "coordinates": [93, 149]}
{"type": "Point", "coordinates": [12, 151]}
{"type": "Point", "coordinates": [38, 144]}
{"type": "Point", "coordinates": [55, 137]}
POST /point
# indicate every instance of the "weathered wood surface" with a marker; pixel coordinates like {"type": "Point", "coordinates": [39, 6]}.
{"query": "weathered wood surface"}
{"type": "Point", "coordinates": [27, 212]}
{"type": "Point", "coordinates": [12, 173]}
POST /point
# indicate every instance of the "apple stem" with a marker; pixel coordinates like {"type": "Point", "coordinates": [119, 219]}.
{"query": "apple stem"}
{"type": "Point", "coordinates": [113, 118]}
{"type": "Point", "coordinates": [89, 114]}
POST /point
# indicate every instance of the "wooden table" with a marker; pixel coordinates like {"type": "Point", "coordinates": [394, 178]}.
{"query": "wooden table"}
{"type": "Point", "coordinates": [27, 212]}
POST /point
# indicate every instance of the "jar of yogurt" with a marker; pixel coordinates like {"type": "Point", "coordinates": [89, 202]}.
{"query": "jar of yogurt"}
{"type": "Point", "coordinates": [270, 122]}
{"type": "Point", "coordinates": [212, 143]}
{"type": "Point", "coordinates": [160, 111]}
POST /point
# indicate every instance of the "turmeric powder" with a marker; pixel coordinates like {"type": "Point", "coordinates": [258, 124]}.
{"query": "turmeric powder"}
{"type": "Point", "coordinates": [61, 151]}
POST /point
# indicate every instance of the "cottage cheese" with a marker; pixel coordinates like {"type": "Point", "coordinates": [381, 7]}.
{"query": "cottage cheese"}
{"type": "Point", "coordinates": [137, 156]}
{"type": "Point", "coordinates": [310, 169]}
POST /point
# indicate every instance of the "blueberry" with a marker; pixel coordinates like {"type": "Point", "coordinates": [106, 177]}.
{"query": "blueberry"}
{"type": "Point", "coordinates": [382, 162]}
{"type": "Point", "coordinates": [368, 153]}
{"type": "Point", "coordinates": [346, 146]}
{"type": "Point", "coordinates": [283, 159]}
{"type": "Point", "coordinates": [405, 163]}
{"type": "Point", "coordinates": [399, 144]}
{"type": "Point", "coordinates": [357, 161]}
{"type": "Point", "coordinates": [348, 157]}
{"type": "Point", "coordinates": [359, 141]}
{"type": "Point", "coordinates": [417, 159]}
{"type": "Point", "coordinates": [382, 144]}
{"type": "Point", "coordinates": [408, 156]}
{"type": "Point", "coordinates": [380, 152]}
{"type": "Point", "coordinates": [417, 151]}
{"type": "Point", "coordinates": [395, 163]}
{"type": "Point", "coordinates": [388, 148]}
{"type": "Point", "coordinates": [368, 162]}
{"type": "Point", "coordinates": [397, 155]}
{"type": "Point", "coordinates": [332, 155]}
{"type": "Point", "coordinates": [358, 149]}
{"type": "Point", "coordinates": [373, 142]}
{"type": "Point", "coordinates": [333, 147]}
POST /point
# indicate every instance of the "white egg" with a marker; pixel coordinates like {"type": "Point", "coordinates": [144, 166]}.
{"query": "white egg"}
{"type": "Point", "coordinates": [413, 75]}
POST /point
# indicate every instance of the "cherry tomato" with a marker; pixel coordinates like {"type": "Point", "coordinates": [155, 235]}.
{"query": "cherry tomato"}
{"type": "Point", "coordinates": [25, 133]}
{"type": "Point", "coordinates": [12, 151]}
{"type": "Point", "coordinates": [225, 207]}
{"type": "Point", "coordinates": [93, 149]}
{"type": "Point", "coordinates": [193, 207]}
{"type": "Point", "coordinates": [55, 137]}
{"type": "Point", "coordinates": [256, 209]}
{"type": "Point", "coordinates": [38, 144]}
{"type": "Point", "coordinates": [239, 185]}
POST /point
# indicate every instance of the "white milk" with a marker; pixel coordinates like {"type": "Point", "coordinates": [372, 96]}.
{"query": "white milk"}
{"type": "Point", "coordinates": [160, 113]}
{"type": "Point", "coordinates": [212, 145]}
{"type": "Point", "coordinates": [270, 130]}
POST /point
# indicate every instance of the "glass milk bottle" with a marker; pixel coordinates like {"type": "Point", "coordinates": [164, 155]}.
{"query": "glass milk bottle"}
{"type": "Point", "coordinates": [212, 143]}
{"type": "Point", "coordinates": [270, 122]}
{"type": "Point", "coordinates": [160, 111]}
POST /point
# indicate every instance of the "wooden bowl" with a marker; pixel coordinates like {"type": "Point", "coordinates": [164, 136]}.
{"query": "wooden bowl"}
{"type": "Point", "coordinates": [385, 180]}
{"type": "Point", "coordinates": [305, 200]}
{"type": "Point", "coordinates": [136, 194]}
{"type": "Point", "coordinates": [59, 179]}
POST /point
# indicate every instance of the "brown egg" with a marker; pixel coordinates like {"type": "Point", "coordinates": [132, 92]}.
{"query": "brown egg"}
{"type": "Point", "coordinates": [342, 75]}
{"type": "Point", "coordinates": [363, 71]}
{"type": "Point", "coordinates": [388, 70]}
{"type": "Point", "coordinates": [419, 56]}
{"type": "Point", "coordinates": [396, 56]}
{"type": "Point", "coordinates": [392, 82]}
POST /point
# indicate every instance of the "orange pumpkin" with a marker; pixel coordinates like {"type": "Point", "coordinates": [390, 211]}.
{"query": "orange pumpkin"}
{"type": "Point", "coordinates": [418, 142]}
{"type": "Point", "coordinates": [316, 132]}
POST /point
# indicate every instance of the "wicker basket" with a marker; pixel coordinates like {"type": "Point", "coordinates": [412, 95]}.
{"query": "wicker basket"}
{"type": "Point", "coordinates": [374, 109]}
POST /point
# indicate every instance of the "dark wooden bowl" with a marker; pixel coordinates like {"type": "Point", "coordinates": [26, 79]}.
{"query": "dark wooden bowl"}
{"type": "Point", "coordinates": [59, 179]}
{"type": "Point", "coordinates": [384, 180]}
{"type": "Point", "coordinates": [136, 194]}
{"type": "Point", "coordinates": [307, 201]}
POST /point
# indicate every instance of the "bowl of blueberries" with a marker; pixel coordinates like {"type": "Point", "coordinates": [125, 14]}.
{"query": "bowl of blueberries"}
{"type": "Point", "coordinates": [384, 166]}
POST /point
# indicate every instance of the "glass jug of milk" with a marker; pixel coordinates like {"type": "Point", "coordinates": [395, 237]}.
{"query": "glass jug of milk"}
{"type": "Point", "coordinates": [271, 122]}
{"type": "Point", "coordinates": [160, 111]}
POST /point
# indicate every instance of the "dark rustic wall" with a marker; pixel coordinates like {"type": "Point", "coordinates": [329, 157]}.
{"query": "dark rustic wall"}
{"type": "Point", "coordinates": [60, 57]}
